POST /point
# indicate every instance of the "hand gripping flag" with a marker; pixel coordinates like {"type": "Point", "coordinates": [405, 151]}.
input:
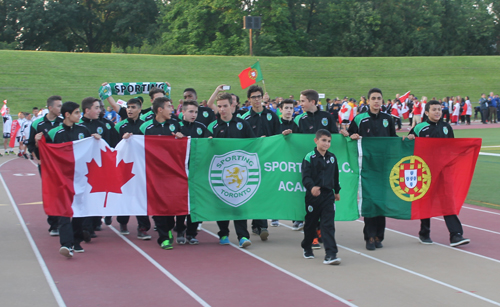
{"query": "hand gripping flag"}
{"type": "Point", "coordinates": [250, 75]}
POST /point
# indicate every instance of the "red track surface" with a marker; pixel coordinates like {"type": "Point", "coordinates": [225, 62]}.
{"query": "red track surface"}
{"type": "Point", "coordinates": [111, 272]}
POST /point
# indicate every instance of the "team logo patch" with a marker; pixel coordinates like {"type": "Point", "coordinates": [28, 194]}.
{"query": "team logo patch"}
{"type": "Point", "coordinates": [108, 126]}
{"type": "Point", "coordinates": [385, 122]}
{"type": "Point", "coordinates": [410, 178]}
{"type": "Point", "coordinates": [445, 130]}
{"type": "Point", "coordinates": [269, 116]}
{"type": "Point", "coordinates": [99, 130]}
{"type": "Point", "coordinates": [332, 159]}
{"type": "Point", "coordinates": [310, 208]}
{"type": "Point", "coordinates": [239, 126]}
{"type": "Point", "coordinates": [205, 114]}
{"type": "Point", "coordinates": [324, 121]}
{"type": "Point", "coordinates": [235, 176]}
{"type": "Point", "coordinates": [171, 127]}
{"type": "Point", "coordinates": [81, 136]}
{"type": "Point", "coordinates": [199, 131]}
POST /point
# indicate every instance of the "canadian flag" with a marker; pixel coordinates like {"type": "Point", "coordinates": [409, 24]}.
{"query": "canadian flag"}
{"type": "Point", "coordinates": [4, 108]}
{"type": "Point", "coordinates": [88, 178]}
{"type": "Point", "coordinates": [346, 112]}
{"type": "Point", "coordinates": [404, 97]}
{"type": "Point", "coordinates": [405, 111]}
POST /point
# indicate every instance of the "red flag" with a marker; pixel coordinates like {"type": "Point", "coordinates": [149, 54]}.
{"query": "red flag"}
{"type": "Point", "coordinates": [4, 108]}
{"type": "Point", "coordinates": [404, 97]}
{"type": "Point", "coordinates": [144, 175]}
{"type": "Point", "coordinates": [250, 76]}
{"type": "Point", "coordinates": [13, 132]}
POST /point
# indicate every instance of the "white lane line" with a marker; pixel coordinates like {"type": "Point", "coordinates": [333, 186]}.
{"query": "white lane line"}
{"type": "Point", "coordinates": [286, 272]}
{"type": "Point", "coordinates": [447, 246]}
{"type": "Point", "coordinates": [422, 276]}
{"type": "Point", "coordinates": [418, 274]}
{"type": "Point", "coordinates": [490, 146]}
{"type": "Point", "coordinates": [480, 210]}
{"type": "Point", "coordinates": [38, 256]}
{"type": "Point", "coordinates": [473, 227]}
{"type": "Point", "coordinates": [488, 154]}
{"type": "Point", "coordinates": [162, 269]}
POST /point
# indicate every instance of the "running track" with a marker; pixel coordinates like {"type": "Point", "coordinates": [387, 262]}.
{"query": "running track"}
{"type": "Point", "coordinates": [116, 271]}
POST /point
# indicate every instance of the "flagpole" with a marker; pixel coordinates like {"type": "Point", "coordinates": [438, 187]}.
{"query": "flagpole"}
{"type": "Point", "coordinates": [264, 84]}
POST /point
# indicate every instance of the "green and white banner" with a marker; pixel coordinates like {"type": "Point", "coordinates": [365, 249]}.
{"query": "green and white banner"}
{"type": "Point", "coordinates": [260, 178]}
{"type": "Point", "coordinates": [131, 88]}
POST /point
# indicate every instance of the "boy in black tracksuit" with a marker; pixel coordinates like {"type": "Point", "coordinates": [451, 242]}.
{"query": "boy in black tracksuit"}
{"type": "Point", "coordinates": [435, 127]}
{"type": "Point", "coordinates": [264, 122]}
{"type": "Point", "coordinates": [163, 124]}
{"type": "Point", "coordinates": [287, 124]}
{"type": "Point", "coordinates": [42, 126]}
{"type": "Point", "coordinates": [229, 126]}
{"type": "Point", "coordinates": [70, 230]}
{"type": "Point", "coordinates": [194, 129]}
{"type": "Point", "coordinates": [320, 177]}
{"type": "Point", "coordinates": [373, 123]}
{"type": "Point", "coordinates": [129, 126]}
{"type": "Point", "coordinates": [91, 111]}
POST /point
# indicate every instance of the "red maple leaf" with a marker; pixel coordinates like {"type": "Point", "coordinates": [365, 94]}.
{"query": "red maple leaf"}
{"type": "Point", "coordinates": [108, 177]}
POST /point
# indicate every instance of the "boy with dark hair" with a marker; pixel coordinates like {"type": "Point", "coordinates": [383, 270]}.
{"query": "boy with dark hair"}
{"type": "Point", "coordinates": [320, 177]}
{"type": "Point", "coordinates": [189, 127]}
{"type": "Point", "coordinates": [230, 126]}
{"type": "Point", "coordinates": [435, 127]}
{"type": "Point", "coordinates": [264, 123]}
{"type": "Point", "coordinates": [205, 115]}
{"type": "Point", "coordinates": [125, 128]}
{"type": "Point", "coordinates": [287, 125]}
{"type": "Point", "coordinates": [373, 123]}
{"type": "Point", "coordinates": [91, 111]}
{"type": "Point", "coordinates": [42, 126]}
{"type": "Point", "coordinates": [163, 124]}
{"type": "Point", "coordinates": [70, 230]}
{"type": "Point", "coordinates": [313, 118]}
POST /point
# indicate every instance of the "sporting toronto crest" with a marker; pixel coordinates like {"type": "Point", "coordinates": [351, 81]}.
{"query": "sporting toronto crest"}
{"type": "Point", "coordinates": [235, 176]}
{"type": "Point", "coordinates": [410, 178]}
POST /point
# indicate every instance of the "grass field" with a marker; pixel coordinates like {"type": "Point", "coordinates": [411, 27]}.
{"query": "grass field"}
{"type": "Point", "coordinates": [28, 78]}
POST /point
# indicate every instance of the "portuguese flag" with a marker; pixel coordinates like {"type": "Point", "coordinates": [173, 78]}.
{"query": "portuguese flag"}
{"type": "Point", "coordinates": [250, 75]}
{"type": "Point", "coordinates": [416, 179]}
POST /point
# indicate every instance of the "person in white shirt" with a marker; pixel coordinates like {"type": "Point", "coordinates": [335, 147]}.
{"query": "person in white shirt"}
{"type": "Point", "coordinates": [7, 126]}
{"type": "Point", "coordinates": [456, 112]}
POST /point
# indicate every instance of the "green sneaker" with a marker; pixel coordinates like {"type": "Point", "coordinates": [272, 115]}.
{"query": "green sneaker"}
{"type": "Point", "coordinates": [167, 244]}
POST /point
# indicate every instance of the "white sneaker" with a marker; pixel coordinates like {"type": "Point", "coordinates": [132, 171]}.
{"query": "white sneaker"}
{"type": "Point", "coordinates": [66, 252]}
{"type": "Point", "coordinates": [275, 223]}
{"type": "Point", "coordinates": [54, 232]}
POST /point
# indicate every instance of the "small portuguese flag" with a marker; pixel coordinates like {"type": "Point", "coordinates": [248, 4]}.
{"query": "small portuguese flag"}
{"type": "Point", "coordinates": [416, 179]}
{"type": "Point", "coordinates": [250, 76]}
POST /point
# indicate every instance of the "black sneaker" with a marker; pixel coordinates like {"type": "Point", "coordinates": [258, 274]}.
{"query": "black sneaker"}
{"type": "Point", "coordinates": [308, 254]}
{"type": "Point", "coordinates": [378, 243]}
{"type": "Point", "coordinates": [458, 240]}
{"type": "Point", "coordinates": [192, 241]}
{"type": "Point", "coordinates": [124, 229]}
{"type": "Point", "coordinates": [108, 220]}
{"type": "Point", "coordinates": [142, 234]}
{"type": "Point", "coordinates": [86, 236]}
{"type": "Point", "coordinates": [255, 231]}
{"type": "Point", "coordinates": [370, 244]}
{"type": "Point", "coordinates": [264, 233]}
{"type": "Point", "coordinates": [181, 237]}
{"type": "Point", "coordinates": [333, 260]}
{"type": "Point", "coordinates": [425, 240]}
{"type": "Point", "coordinates": [77, 248]}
